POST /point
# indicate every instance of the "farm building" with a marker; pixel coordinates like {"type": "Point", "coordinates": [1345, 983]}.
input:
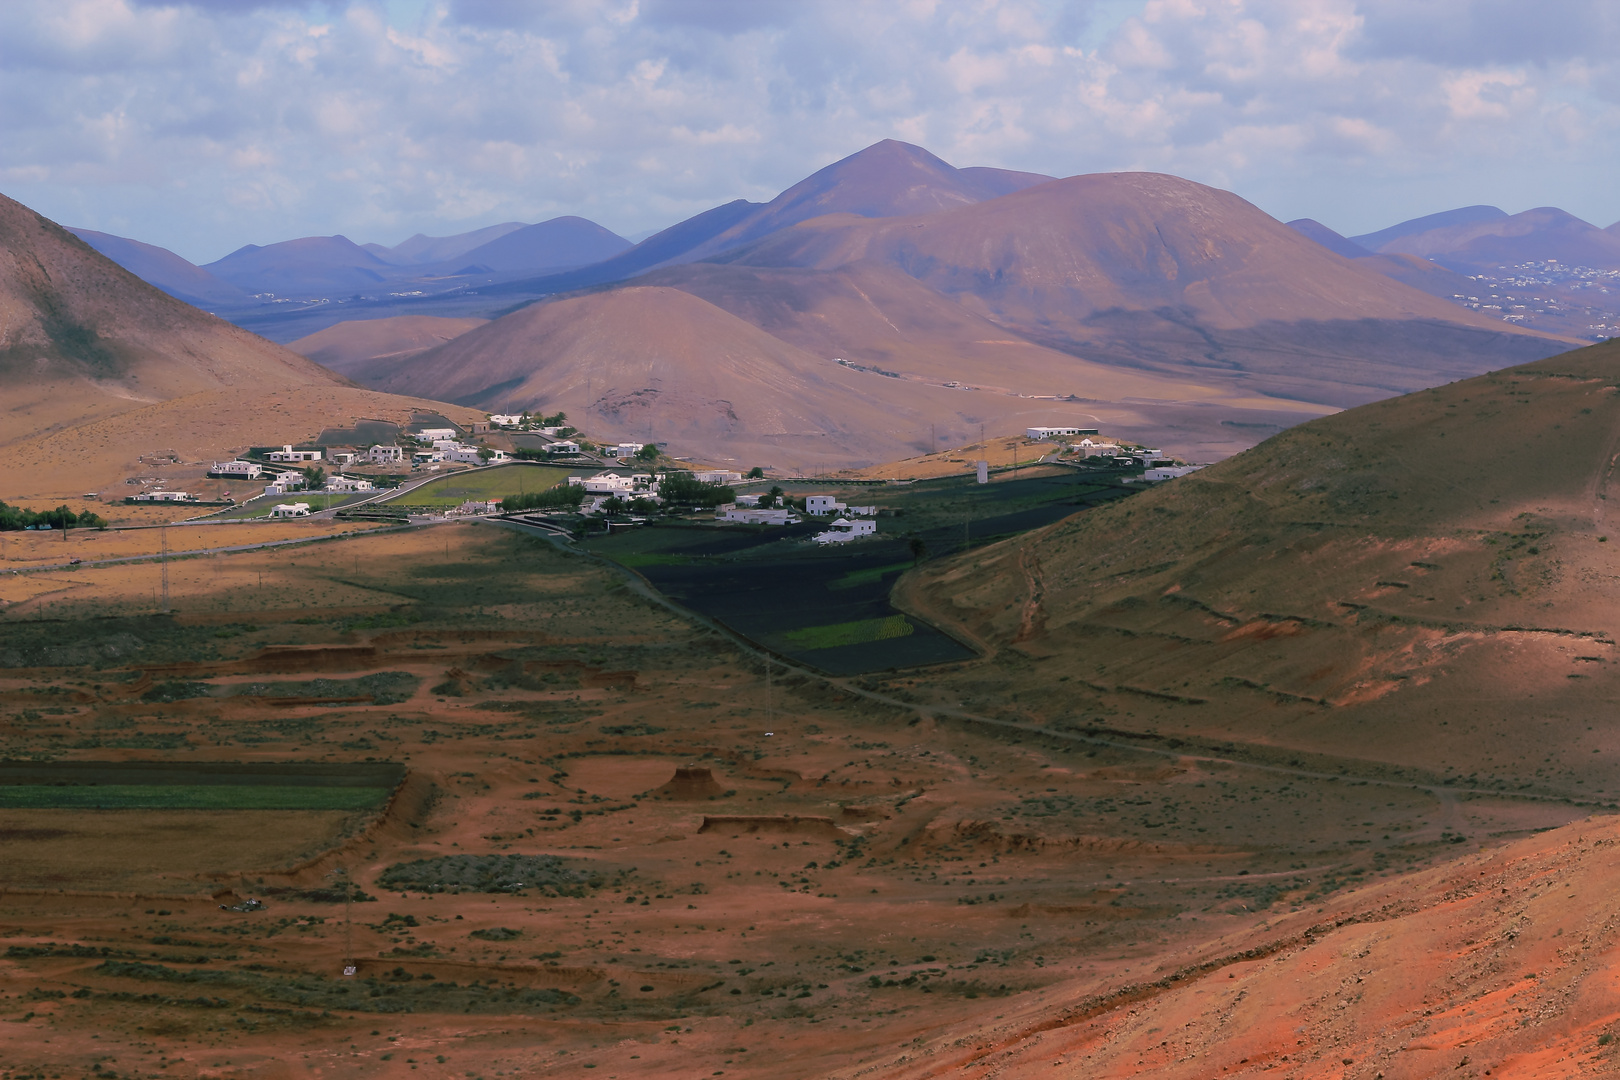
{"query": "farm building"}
{"type": "Point", "coordinates": [287, 455]}
{"type": "Point", "coordinates": [746, 516]}
{"type": "Point", "coordinates": [1042, 434]}
{"type": "Point", "coordinates": [236, 470]}
{"type": "Point", "coordinates": [843, 530]}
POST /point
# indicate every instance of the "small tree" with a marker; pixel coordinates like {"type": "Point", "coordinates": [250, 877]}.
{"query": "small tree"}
{"type": "Point", "coordinates": [314, 477]}
{"type": "Point", "coordinates": [485, 454]}
{"type": "Point", "coordinates": [648, 452]}
{"type": "Point", "coordinates": [919, 550]}
{"type": "Point", "coordinates": [756, 473]}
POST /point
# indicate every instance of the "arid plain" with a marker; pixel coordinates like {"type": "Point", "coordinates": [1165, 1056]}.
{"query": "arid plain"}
{"type": "Point", "coordinates": [1062, 854]}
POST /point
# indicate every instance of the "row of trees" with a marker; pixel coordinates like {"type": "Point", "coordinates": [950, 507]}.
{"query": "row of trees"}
{"type": "Point", "coordinates": [13, 518]}
{"type": "Point", "coordinates": [552, 498]}
{"type": "Point", "coordinates": [680, 489]}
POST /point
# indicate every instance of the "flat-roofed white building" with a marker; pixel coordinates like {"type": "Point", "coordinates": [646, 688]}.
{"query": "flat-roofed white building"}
{"type": "Point", "coordinates": [506, 419]}
{"type": "Point", "coordinates": [288, 456]}
{"type": "Point", "coordinates": [386, 455]}
{"type": "Point", "coordinates": [163, 496]}
{"type": "Point", "coordinates": [843, 530]}
{"type": "Point", "coordinates": [237, 470]}
{"type": "Point", "coordinates": [609, 483]}
{"type": "Point", "coordinates": [717, 476]}
{"type": "Point", "coordinates": [564, 446]}
{"type": "Point", "coordinates": [349, 483]}
{"type": "Point", "coordinates": [284, 483]}
{"type": "Point", "coordinates": [1169, 472]}
{"type": "Point", "coordinates": [1042, 434]}
{"type": "Point", "coordinates": [821, 505]}
{"type": "Point", "coordinates": [436, 433]}
{"type": "Point", "coordinates": [286, 510]}
{"type": "Point", "coordinates": [746, 516]}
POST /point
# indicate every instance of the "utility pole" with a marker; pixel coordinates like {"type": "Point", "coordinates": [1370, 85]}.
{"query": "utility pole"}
{"type": "Point", "coordinates": [165, 533]}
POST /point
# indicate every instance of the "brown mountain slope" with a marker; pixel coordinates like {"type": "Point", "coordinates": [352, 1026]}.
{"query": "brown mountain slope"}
{"type": "Point", "coordinates": [60, 464]}
{"type": "Point", "coordinates": [1500, 964]}
{"type": "Point", "coordinates": [366, 348]}
{"type": "Point", "coordinates": [887, 179]}
{"type": "Point", "coordinates": [1423, 583]}
{"type": "Point", "coordinates": [1157, 272]}
{"type": "Point", "coordinates": [83, 337]}
{"type": "Point", "coordinates": [654, 362]}
{"type": "Point", "coordinates": [1533, 236]}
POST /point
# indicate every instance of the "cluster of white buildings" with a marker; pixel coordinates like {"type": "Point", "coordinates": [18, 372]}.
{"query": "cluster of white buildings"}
{"type": "Point", "coordinates": [849, 522]}
{"type": "Point", "coordinates": [822, 505]}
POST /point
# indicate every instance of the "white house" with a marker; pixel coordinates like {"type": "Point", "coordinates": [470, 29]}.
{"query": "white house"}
{"type": "Point", "coordinates": [747, 500]}
{"type": "Point", "coordinates": [860, 511]}
{"type": "Point", "coordinates": [506, 419]}
{"type": "Point", "coordinates": [564, 446]}
{"type": "Point", "coordinates": [284, 483]}
{"type": "Point", "coordinates": [162, 496]}
{"type": "Point", "coordinates": [1090, 449]}
{"type": "Point", "coordinates": [1042, 434]}
{"type": "Point", "coordinates": [1169, 472]}
{"type": "Point", "coordinates": [757, 516]}
{"type": "Point", "coordinates": [237, 470]}
{"type": "Point", "coordinates": [608, 483]}
{"type": "Point", "coordinates": [286, 510]}
{"type": "Point", "coordinates": [623, 450]}
{"type": "Point", "coordinates": [717, 476]}
{"type": "Point", "coordinates": [468, 455]}
{"type": "Point", "coordinates": [386, 455]}
{"type": "Point", "coordinates": [423, 457]}
{"type": "Point", "coordinates": [429, 435]}
{"type": "Point", "coordinates": [349, 483]}
{"type": "Point", "coordinates": [287, 455]}
{"type": "Point", "coordinates": [341, 457]}
{"type": "Point", "coordinates": [821, 505]}
{"type": "Point", "coordinates": [843, 530]}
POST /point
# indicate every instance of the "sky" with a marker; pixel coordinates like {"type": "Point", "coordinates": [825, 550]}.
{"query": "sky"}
{"type": "Point", "coordinates": [205, 125]}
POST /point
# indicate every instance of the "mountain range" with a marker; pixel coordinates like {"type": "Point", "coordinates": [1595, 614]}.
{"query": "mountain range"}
{"type": "Point", "coordinates": [1068, 299]}
{"type": "Point", "coordinates": [942, 299]}
{"type": "Point", "coordinates": [98, 368]}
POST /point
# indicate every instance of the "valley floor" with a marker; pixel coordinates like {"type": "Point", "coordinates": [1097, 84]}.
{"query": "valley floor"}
{"type": "Point", "coordinates": [721, 874]}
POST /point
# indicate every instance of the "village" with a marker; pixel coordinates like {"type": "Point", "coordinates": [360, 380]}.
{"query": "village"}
{"type": "Point", "coordinates": [384, 471]}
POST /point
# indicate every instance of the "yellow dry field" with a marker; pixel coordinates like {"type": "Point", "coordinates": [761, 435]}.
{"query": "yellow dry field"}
{"type": "Point", "coordinates": [19, 550]}
{"type": "Point", "coordinates": [56, 463]}
{"type": "Point", "coordinates": [999, 452]}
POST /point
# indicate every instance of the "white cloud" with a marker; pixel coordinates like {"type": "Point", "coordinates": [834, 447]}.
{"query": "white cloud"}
{"type": "Point", "coordinates": [205, 125]}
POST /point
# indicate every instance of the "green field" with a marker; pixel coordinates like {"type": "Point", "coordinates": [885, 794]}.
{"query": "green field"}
{"type": "Point", "coordinates": [860, 632]}
{"type": "Point", "coordinates": [497, 482]}
{"type": "Point", "coordinates": [189, 797]}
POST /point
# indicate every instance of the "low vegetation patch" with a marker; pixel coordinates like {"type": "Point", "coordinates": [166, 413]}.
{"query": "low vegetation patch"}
{"type": "Point", "coordinates": [859, 632]}
{"type": "Point", "coordinates": [488, 873]}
